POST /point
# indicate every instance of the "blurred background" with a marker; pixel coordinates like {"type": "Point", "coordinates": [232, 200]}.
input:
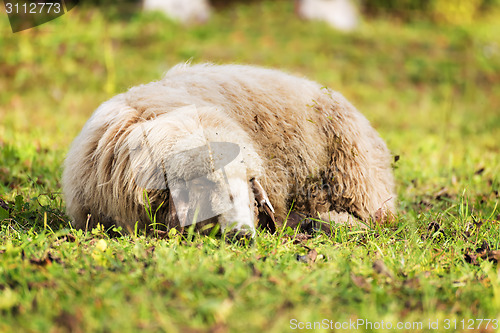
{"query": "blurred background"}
{"type": "Point", "coordinates": [425, 73]}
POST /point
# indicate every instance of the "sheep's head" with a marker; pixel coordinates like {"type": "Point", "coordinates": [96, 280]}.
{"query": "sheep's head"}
{"type": "Point", "coordinates": [209, 181]}
{"type": "Point", "coordinates": [206, 179]}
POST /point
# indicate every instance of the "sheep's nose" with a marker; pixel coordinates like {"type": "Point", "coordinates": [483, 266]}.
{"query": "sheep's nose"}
{"type": "Point", "coordinates": [242, 234]}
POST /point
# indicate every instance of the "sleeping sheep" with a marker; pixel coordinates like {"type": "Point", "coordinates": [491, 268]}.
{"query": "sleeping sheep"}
{"type": "Point", "coordinates": [222, 144]}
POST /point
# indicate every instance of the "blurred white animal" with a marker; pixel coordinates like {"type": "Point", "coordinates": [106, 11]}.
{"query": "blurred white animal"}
{"type": "Point", "coordinates": [185, 11]}
{"type": "Point", "coordinates": [340, 14]}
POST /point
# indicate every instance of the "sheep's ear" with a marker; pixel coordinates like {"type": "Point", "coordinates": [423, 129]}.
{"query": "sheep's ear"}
{"type": "Point", "coordinates": [262, 199]}
{"type": "Point", "coordinates": [261, 195]}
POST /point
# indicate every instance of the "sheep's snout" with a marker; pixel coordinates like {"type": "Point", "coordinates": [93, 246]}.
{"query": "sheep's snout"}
{"type": "Point", "coordinates": [211, 181]}
{"type": "Point", "coordinates": [240, 234]}
{"type": "Point", "coordinates": [239, 219]}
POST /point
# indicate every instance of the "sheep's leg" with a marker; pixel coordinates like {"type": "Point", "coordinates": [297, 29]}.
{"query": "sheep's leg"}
{"type": "Point", "coordinates": [325, 222]}
{"type": "Point", "coordinates": [343, 218]}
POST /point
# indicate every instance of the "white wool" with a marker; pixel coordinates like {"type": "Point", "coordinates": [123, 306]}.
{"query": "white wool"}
{"type": "Point", "coordinates": [198, 140]}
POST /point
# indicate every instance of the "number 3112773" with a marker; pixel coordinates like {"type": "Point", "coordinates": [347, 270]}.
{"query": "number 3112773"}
{"type": "Point", "coordinates": [33, 8]}
{"type": "Point", "coordinates": [470, 324]}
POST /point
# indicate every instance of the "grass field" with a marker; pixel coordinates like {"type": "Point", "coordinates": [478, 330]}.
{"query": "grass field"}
{"type": "Point", "coordinates": [432, 92]}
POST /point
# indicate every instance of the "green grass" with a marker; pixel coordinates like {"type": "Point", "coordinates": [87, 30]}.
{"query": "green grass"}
{"type": "Point", "coordinates": [433, 93]}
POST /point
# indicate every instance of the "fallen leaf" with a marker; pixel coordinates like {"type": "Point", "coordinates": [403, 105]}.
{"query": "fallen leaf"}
{"type": "Point", "coordinates": [494, 255]}
{"type": "Point", "coordinates": [273, 280]}
{"type": "Point", "coordinates": [218, 327]}
{"type": "Point", "coordinates": [69, 322]}
{"type": "Point", "coordinates": [471, 258]}
{"type": "Point", "coordinates": [434, 227]}
{"type": "Point", "coordinates": [161, 234]}
{"type": "Point", "coordinates": [65, 238]}
{"type": "Point", "coordinates": [309, 258]}
{"type": "Point", "coordinates": [69, 237]}
{"type": "Point", "coordinates": [484, 252]}
{"type": "Point", "coordinates": [435, 230]}
{"type": "Point", "coordinates": [477, 223]}
{"type": "Point", "coordinates": [413, 283]}
{"type": "Point", "coordinates": [479, 171]}
{"type": "Point", "coordinates": [255, 271]}
{"type": "Point", "coordinates": [442, 194]}
{"type": "Point", "coordinates": [361, 282]}
{"type": "Point", "coordinates": [301, 238]}
{"type": "Point", "coordinates": [150, 250]}
{"type": "Point", "coordinates": [426, 203]}
{"type": "Point", "coordinates": [261, 257]}
{"type": "Point", "coordinates": [47, 261]}
{"type": "Point", "coordinates": [4, 205]}
{"type": "Point", "coordinates": [381, 268]}
{"type": "Point", "coordinates": [485, 247]}
{"type": "Point", "coordinates": [221, 270]}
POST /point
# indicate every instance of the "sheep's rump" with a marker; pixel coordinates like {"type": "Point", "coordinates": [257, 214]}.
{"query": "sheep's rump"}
{"type": "Point", "coordinates": [313, 148]}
